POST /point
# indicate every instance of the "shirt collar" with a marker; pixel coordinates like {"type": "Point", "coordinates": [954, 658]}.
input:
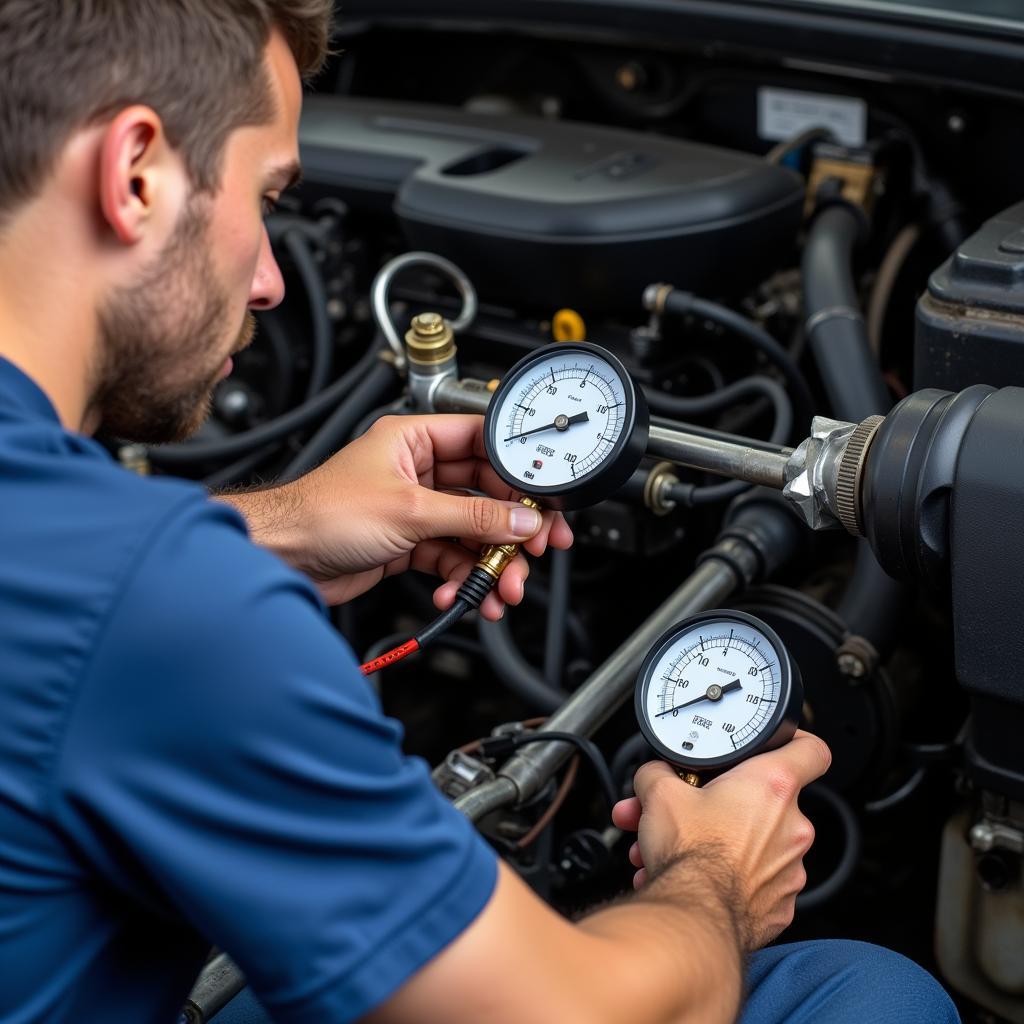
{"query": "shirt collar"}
{"type": "Point", "coordinates": [21, 394]}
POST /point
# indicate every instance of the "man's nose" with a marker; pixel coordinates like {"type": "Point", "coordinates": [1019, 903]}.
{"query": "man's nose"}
{"type": "Point", "coordinates": [267, 283]}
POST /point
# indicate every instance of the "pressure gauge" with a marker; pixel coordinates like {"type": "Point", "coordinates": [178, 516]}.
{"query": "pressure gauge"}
{"type": "Point", "coordinates": [716, 689]}
{"type": "Point", "coordinates": [567, 426]}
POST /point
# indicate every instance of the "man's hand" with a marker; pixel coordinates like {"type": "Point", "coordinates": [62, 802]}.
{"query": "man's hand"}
{"type": "Point", "coordinates": [395, 499]}
{"type": "Point", "coordinates": [743, 830]}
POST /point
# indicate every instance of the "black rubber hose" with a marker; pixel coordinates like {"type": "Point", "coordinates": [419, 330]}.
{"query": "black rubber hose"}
{"type": "Point", "coordinates": [536, 593]}
{"type": "Point", "coordinates": [681, 303]}
{"type": "Point", "coordinates": [233, 472]}
{"type": "Point", "coordinates": [169, 456]}
{"type": "Point", "coordinates": [689, 495]}
{"type": "Point", "coordinates": [514, 670]}
{"type": "Point", "coordinates": [715, 401]}
{"type": "Point", "coordinates": [838, 337]}
{"type": "Point", "coordinates": [835, 327]}
{"type": "Point", "coordinates": [558, 611]}
{"type": "Point", "coordinates": [335, 430]}
{"type": "Point", "coordinates": [322, 337]}
{"type": "Point", "coordinates": [809, 899]}
{"type": "Point", "coordinates": [635, 749]}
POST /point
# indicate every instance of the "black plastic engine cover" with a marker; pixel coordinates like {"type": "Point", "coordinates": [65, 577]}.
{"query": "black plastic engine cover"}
{"type": "Point", "coordinates": [555, 213]}
{"type": "Point", "coordinates": [970, 322]}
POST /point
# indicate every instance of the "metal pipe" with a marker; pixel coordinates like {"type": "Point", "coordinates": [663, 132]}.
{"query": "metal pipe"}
{"type": "Point", "coordinates": [739, 460]}
{"type": "Point", "coordinates": [724, 458]}
{"type": "Point", "coordinates": [602, 694]}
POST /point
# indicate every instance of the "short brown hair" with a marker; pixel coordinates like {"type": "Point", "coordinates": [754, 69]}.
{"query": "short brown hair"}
{"type": "Point", "coordinates": [199, 64]}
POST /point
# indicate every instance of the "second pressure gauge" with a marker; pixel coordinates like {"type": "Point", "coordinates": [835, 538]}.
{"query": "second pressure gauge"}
{"type": "Point", "coordinates": [717, 688]}
{"type": "Point", "coordinates": [567, 426]}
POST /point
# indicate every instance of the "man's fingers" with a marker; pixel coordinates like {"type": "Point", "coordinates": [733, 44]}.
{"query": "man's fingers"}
{"type": "Point", "coordinates": [804, 758]}
{"type": "Point", "coordinates": [484, 520]}
{"type": "Point", "coordinates": [655, 775]}
{"type": "Point", "coordinates": [626, 814]}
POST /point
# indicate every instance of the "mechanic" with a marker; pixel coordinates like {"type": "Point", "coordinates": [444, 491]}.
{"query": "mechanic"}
{"type": "Point", "coordinates": [188, 754]}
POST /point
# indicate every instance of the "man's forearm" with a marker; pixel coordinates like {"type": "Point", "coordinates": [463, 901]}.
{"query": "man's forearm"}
{"type": "Point", "coordinates": [680, 941]}
{"type": "Point", "coordinates": [274, 516]}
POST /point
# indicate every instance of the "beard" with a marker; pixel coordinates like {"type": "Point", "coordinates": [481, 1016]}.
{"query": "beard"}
{"type": "Point", "coordinates": [162, 342]}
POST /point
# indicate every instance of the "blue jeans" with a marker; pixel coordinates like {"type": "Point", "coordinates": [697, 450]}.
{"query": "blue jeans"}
{"type": "Point", "coordinates": [824, 982]}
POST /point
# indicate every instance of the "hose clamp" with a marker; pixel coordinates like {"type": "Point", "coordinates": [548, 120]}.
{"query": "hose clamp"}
{"type": "Point", "coordinates": [851, 469]}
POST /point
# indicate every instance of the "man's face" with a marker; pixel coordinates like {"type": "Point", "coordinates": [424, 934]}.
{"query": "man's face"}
{"type": "Point", "coordinates": [166, 339]}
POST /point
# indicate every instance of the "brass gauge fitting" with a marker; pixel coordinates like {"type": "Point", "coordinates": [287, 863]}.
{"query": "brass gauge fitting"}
{"type": "Point", "coordinates": [495, 558]}
{"type": "Point", "coordinates": [430, 340]}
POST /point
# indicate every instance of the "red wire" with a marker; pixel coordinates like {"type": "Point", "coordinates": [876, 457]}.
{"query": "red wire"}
{"type": "Point", "coordinates": [396, 654]}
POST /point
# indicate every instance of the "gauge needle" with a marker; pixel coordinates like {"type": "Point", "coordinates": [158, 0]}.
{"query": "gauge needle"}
{"type": "Point", "coordinates": [558, 423]}
{"type": "Point", "coordinates": [714, 692]}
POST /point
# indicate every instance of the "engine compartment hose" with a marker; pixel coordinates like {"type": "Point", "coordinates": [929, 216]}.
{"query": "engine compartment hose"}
{"type": "Point", "coordinates": [824, 891]}
{"type": "Point", "coordinates": [834, 324]}
{"type": "Point", "coordinates": [692, 495]}
{"type": "Point", "coordinates": [322, 336]}
{"type": "Point", "coordinates": [557, 618]}
{"type": "Point", "coordinates": [681, 303]}
{"type": "Point", "coordinates": [190, 453]}
{"type": "Point", "coordinates": [335, 430]}
{"type": "Point", "coordinates": [514, 671]}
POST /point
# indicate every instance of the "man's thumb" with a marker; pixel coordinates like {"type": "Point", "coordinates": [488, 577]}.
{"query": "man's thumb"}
{"type": "Point", "coordinates": [481, 519]}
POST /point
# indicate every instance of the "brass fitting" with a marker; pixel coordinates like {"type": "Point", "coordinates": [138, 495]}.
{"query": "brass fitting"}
{"type": "Point", "coordinates": [860, 176]}
{"type": "Point", "coordinates": [495, 558]}
{"type": "Point", "coordinates": [430, 340]}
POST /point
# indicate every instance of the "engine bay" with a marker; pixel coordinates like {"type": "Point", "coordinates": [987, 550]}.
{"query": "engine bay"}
{"type": "Point", "coordinates": [786, 222]}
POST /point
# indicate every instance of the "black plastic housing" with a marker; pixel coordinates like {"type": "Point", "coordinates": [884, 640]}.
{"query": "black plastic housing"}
{"type": "Point", "coordinates": [970, 322]}
{"type": "Point", "coordinates": [562, 212]}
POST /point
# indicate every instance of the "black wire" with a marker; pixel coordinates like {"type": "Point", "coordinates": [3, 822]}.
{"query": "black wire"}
{"type": "Point", "coordinates": [428, 634]}
{"type": "Point", "coordinates": [453, 640]}
{"type": "Point", "coordinates": [586, 747]}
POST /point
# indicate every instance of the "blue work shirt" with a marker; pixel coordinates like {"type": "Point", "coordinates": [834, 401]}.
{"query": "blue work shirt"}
{"type": "Point", "coordinates": [189, 757]}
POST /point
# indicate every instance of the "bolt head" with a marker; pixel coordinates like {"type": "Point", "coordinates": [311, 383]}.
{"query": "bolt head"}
{"type": "Point", "coordinates": [852, 666]}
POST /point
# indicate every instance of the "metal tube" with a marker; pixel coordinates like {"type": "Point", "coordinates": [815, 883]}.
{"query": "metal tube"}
{"type": "Point", "coordinates": [737, 461]}
{"type": "Point", "coordinates": [611, 684]}
{"type": "Point", "coordinates": [461, 396]}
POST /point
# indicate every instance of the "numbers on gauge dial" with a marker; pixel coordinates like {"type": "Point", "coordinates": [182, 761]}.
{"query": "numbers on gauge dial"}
{"type": "Point", "coordinates": [713, 690]}
{"type": "Point", "coordinates": [562, 422]}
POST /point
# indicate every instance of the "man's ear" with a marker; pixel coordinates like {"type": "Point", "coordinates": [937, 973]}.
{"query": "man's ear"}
{"type": "Point", "coordinates": [138, 172]}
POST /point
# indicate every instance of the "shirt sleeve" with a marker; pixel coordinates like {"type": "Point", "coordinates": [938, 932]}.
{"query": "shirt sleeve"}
{"type": "Point", "coordinates": [226, 763]}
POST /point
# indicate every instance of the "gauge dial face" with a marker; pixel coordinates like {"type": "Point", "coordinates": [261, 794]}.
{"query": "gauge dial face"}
{"type": "Point", "coordinates": [714, 691]}
{"type": "Point", "coordinates": [560, 420]}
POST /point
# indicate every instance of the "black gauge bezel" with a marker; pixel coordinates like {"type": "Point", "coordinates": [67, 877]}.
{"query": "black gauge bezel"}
{"type": "Point", "coordinates": [779, 728]}
{"type": "Point", "coordinates": [618, 465]}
